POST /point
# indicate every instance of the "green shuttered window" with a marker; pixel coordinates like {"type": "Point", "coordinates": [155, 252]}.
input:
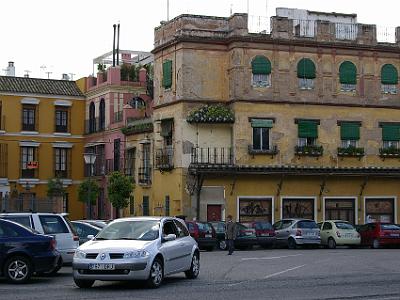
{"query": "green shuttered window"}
{"type": "Point", "coordinates": [261, 123]}
{"type": "Point", "coordinates": [261, 65]}
{"type": "Point", "coordinates": [348, 73]}
{"type": "Point", "coordinates": [307, 129]}
{"type": "Point", "coordinates": [350, 131]}
{"type": "Point", "coordinates": [306, 69]}
{"type": "Point", "coordinates": [389, 74]}
{"type": "Point", "coordinates": [390, 132]}
{"type": "Point", "coordinates": [167, 74]}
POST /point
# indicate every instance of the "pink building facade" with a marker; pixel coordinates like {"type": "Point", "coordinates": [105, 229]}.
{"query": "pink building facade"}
{"type": "Point", "coordinates": [110, 104]}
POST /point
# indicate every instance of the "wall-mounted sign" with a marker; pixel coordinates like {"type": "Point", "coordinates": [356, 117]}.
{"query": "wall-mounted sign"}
{"type": "Point", "coordinates": [32, 165]}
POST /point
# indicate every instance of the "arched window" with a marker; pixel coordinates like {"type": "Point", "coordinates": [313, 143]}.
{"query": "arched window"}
{"type": "Point", "coordinates": [261, 71]}
{"type": "Point", "coordinates": [389, 79]}
{"type": "Point", "coordinates": [92, 119]}
{"type": "Point", "coordinates": [102, 115]}
{"type": "Point", "coordinates": [306, 73]}
{"type": "Point", "coordinates": [348, 76]}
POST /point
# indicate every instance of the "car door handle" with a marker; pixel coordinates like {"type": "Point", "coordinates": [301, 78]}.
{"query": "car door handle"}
{"type": "Point", "coordinates": [181, 244]}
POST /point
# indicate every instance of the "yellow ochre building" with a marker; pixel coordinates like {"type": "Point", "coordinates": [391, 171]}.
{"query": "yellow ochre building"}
{"type": "Point", "coordinates": [301, 121]}
{"type": "Point", "coordinates": [41, 138]}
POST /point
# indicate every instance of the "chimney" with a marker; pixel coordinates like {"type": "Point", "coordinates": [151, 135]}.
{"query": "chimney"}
{"type": "Point", "coordinates": [10, 71]}
{"type": "Point", "coordinates": [65, 76]}
{"type": "Point", "coordinates": [26, 75]}
{"type": "Point", "coordinates": [114, 46]}
{"type": "Point", "coordinates": [118, 45]}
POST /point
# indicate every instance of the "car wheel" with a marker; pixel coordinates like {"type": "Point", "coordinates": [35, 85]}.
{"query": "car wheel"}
{"type": "Point", "coordinates": [331, 243]}
{"type": "Point", "coordinates": [292, 244]}
{"type": "Point", "coordinates": [376, 244]}
{"type": "Point", "coordinates": [18, 269]}
{"type": "Point", "coordinates": [156, 275]}
{"type": "Point", "coordinates": [83, 284]}
{"type": "Point", "coordinates": [222, 245]}
{"type": "Point", "coordinates": [194, 270]}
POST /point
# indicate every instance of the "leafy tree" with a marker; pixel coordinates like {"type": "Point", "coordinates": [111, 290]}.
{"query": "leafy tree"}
{"type": "Point", "coordinates": [55, 188]}
{"type": "Point", "coordinates": [133, 73]}
{"type": "Point", "coordinates": [83, 191]}
{"type": "Point", "coordinates": [120, 188]}
{"type": "Point", "coordinates": [125, 69]}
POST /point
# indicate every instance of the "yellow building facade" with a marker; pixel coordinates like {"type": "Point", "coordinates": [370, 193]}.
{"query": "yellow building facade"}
{"type": "Point", "coordinates": [269, 126]}
{"type": "Point", "coordinates": [41, 138]}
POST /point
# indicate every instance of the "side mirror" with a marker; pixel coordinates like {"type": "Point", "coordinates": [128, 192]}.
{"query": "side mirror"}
{"type": "Point", "coordinates": [169, 237]}
{"type": "Point", "coordinates": [90, 237]}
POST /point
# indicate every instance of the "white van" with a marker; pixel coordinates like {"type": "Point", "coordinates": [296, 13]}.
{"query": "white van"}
{"type": "Point", "coordinates": [56, 225]}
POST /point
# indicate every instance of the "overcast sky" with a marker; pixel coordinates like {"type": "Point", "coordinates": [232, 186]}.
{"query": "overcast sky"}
{"type": "Point", "coordinates": [65, 36]}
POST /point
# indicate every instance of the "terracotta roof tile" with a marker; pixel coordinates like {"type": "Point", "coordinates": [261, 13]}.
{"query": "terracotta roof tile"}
{"type": "Point", "coordinates": [39, 86]}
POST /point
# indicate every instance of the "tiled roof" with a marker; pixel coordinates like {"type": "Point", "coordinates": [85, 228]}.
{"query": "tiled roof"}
{"type": "Point", "coordinates": [39, 86]}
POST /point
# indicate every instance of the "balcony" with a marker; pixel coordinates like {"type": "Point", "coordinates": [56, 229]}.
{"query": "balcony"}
{"type": "Point", "coordinates": [2, 123]}
{"type": "Point", "coordinates": [350, 152]}
{"type": "Point", "coordinates": [310, 150]}
{"type": "Point", "coordinates": [29, 173]}
{"type": "Point", "coordinates": [389, 152]}
{"type": "Point", "coordinates": [272, 151]}
{"type": "Point", "coordinates": [62, 173]}
{"type": "Point", "coordinates": [3, 160]}
{"type": "Point", "coordinates": [28, 127]}
{"type": "Point", "coordinates": [61, 128]}
{"type": "Point", "coordinates": [212, 156]}
{"type": "Point", "coordinates": [165, 158]}
{"type": "Point", "coordinates": [98, 169]}
{"type": "Point", "coordinates": [117, 117]}
{"type": "Point", "coordinates": [144, 176]}
{"type": "Point", "coordinates": [114, 165]}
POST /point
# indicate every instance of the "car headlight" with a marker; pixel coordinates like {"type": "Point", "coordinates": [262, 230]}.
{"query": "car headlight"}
{"type": "Point", "coordinates": [79, 254]}
{"type": "Point", "coordinates": [136, 254]}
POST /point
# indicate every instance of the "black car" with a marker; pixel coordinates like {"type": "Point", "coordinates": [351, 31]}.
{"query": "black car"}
{"type": "Point", "coordinates": [84, 230]}
{"type": "Point", "coordinates": [23, 252]}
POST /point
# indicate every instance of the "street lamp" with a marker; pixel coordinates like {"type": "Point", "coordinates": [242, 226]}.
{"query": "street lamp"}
{"type": "Point", "coordinates": [90, 159]}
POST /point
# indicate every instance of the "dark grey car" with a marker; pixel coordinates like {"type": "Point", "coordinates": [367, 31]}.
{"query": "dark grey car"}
{"type": "Point", "coordinates": [297, 232]}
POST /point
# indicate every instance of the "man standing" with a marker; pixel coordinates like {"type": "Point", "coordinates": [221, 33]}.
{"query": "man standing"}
{"type": "Point", "coordinates": [230, 234]}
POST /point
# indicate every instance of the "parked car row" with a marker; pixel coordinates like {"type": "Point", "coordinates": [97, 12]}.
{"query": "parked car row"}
{"type": "Point", "coordinates": [294, 233]}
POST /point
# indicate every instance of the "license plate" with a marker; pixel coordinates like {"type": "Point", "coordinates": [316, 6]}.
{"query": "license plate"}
{"type": "Point", "coordinates": [311, 234]}
{"type": "Point", "coordinates": [395, 235]}
{"type": "Point", "coordinates": [101, 266]}
{"type": "Point", "coordinates": [348, 235]}
{"type": "Point", "coordinates": [264, 234]}
{"type": "Point", "coordinates": [208, 235]}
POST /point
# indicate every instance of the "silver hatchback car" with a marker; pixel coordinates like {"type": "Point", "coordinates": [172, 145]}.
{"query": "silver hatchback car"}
{"type": "Point", "coordinates": [297, 232]}
{"type": "Point", "coordinates": [142, 248]}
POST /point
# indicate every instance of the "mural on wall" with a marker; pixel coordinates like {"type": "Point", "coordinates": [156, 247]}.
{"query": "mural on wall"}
{"type": "Point", "coordinates": [251, 210]}
{"type": "Point", "coordinates": [379, 210]}
{"type": "Point", "coordinates": [298, 208]}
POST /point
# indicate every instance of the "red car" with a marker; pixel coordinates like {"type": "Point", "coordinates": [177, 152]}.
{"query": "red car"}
{"type": "Point", "coordinates": [204, 234]}
{"type": "Point", "coordinates": [378, 234]}
{"type": "Point", "coordinates": [265, 233]}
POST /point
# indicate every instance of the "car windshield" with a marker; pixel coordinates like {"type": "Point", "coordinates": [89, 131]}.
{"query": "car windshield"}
{"type": "Point", "coordinates": [145, 230]}
{"type": "Point", "coordinates": [307, 225]}
{"type": "Point", "coordinates": [343, 225]}
{"type": "Point", "coordinates": [263, 226]}
{"type": "Point", "coordinates": [390, 227]}
{"type": "Point", "coordinates": [204, 227]}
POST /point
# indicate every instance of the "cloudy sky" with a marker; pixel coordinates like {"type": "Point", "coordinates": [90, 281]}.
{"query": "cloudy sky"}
{"type": "Point", "coordinates": [65, 36]}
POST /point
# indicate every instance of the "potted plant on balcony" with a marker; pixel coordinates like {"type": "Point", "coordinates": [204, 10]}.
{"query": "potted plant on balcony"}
{"type": "Point", "coordinates": [389, 152]}
{"type": "Point", "coordinates": [211, 114]}
{"type": "Point", "coordinates": [309, 150]}
{"type": "Point", "coordinates": [351, 151]}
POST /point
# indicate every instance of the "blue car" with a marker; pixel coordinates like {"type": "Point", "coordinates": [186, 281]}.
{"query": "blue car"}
{"type": "Point", "coordinates": [23, 252]}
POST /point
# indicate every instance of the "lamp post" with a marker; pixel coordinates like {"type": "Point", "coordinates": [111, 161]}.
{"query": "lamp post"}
{"type": "Point", "coordinates": [90, 159]}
